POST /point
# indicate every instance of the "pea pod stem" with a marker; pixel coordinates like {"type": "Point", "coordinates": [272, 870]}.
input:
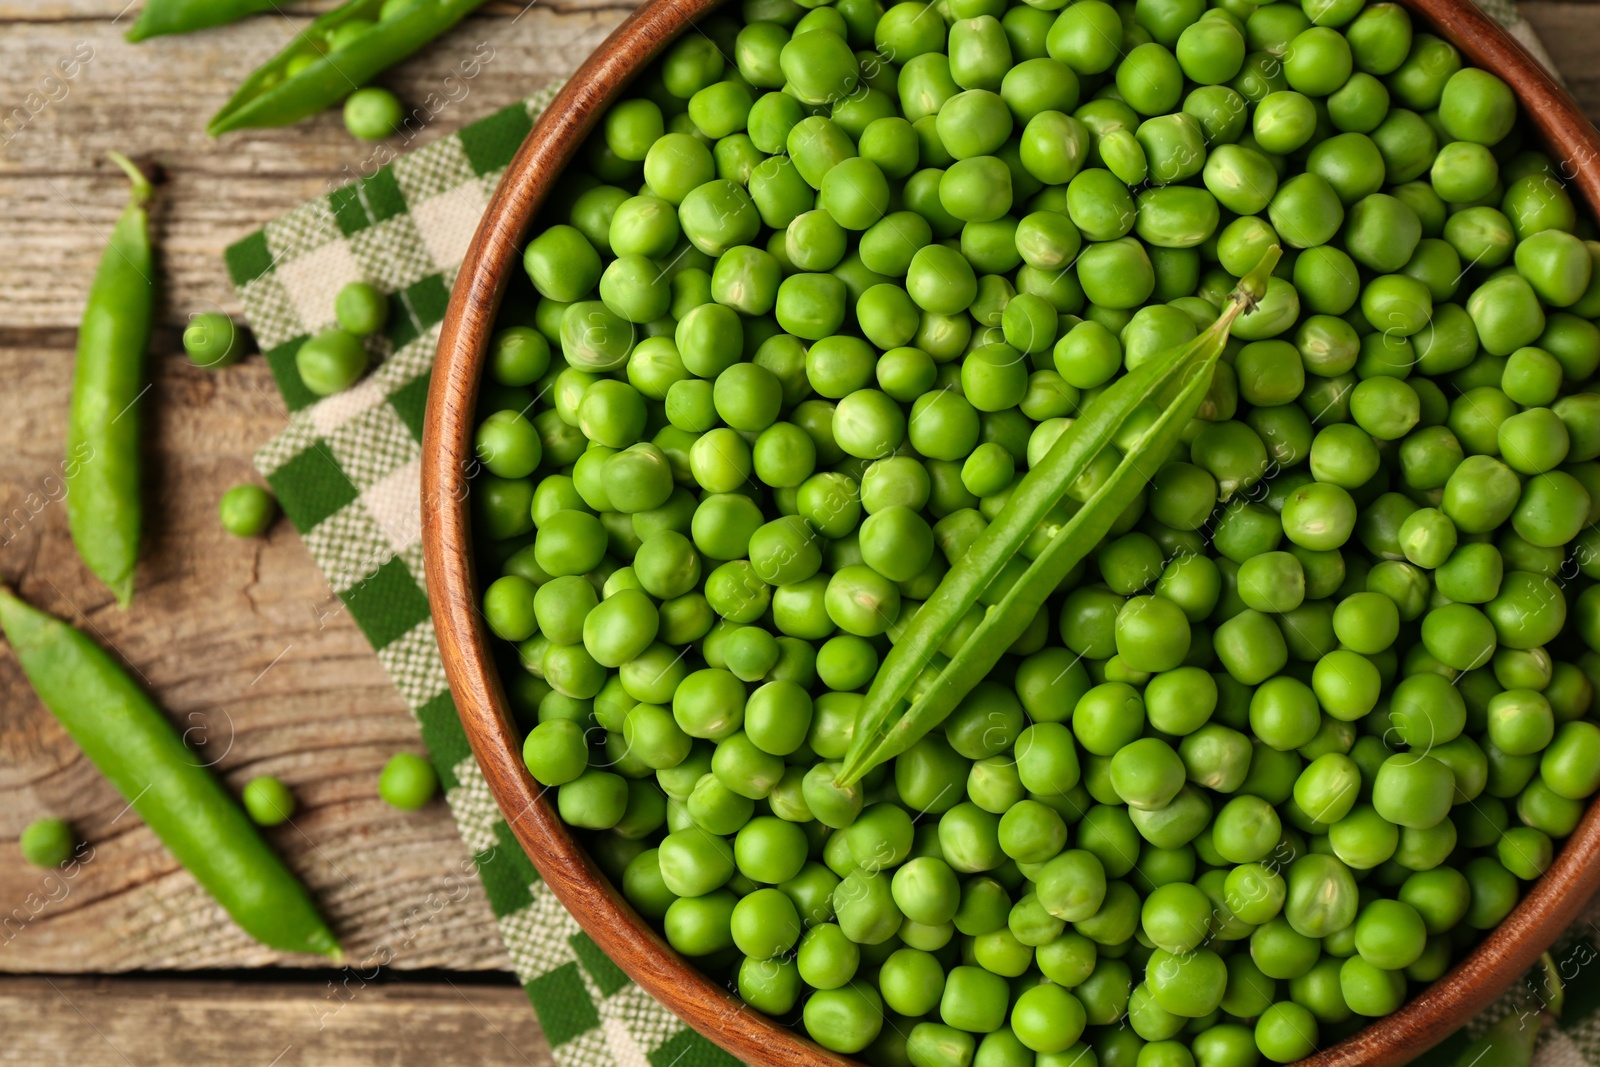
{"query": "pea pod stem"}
{"type": "Point", "coordinates": [161, 17]}
{"type": "Point", "coordinates": [135, 746]}
{"type": "Point", "coordinates": [883, 729]}
{"type": "Point", "coordinates": [306, 77]}
{"type": "Point", "coordinates": [104, 509]}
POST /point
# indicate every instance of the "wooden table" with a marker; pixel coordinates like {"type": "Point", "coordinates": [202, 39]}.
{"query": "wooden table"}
{"type": "Point", "coordinates": [242, 641]}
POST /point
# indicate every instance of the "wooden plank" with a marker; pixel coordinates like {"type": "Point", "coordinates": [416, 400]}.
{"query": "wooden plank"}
{"type": "Point", "coordinates": [345, 1020]}
{"type": "Point", "coordinates": [81, 89]}
{"type": "Point", "coordinates": [63, 196]}
{"type": "Point", "coordinates": [244, 644]}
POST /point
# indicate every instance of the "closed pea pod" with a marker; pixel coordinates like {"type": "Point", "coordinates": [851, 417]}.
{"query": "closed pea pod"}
{"type": "Point", "coordinates": [104, 510]}
{"type": "Point", "coordinates": [131, 742]}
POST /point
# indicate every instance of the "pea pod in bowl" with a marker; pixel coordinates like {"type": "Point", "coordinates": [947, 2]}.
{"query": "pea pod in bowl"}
{"type": "Point", "coordinates": [891, 718]}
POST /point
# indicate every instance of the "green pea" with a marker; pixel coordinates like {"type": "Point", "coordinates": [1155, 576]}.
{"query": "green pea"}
{"type": "Point", "coordinates": [1173, 146]}
{"type": "Point", "coordinates": [1116, 274]}
{"type": "Point", "coordinates": [1250, 647]}
{"type": "Point", "coordinates": [1210, 51]}
{"type": "Point", "coordinates": [1283, 121]}
{"type": "Point", "coordinates": [1507, 314]}
{"type": "Point", "coordinates": [980, 54]}
{"type": "Point", "coordinates": [1090, 41]}
{"type": "Point", "coordinates": [49, 842]}
{"type": "Point", "coordinates": [1566, 767]}
{"type": "Point", "coordinates": [1150, 79]}
{"type": "Point", "coordinates": [978, 189]}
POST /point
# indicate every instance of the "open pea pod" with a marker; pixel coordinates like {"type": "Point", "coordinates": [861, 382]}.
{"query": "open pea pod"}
{"type": "Point", "coordinates": [333, 57]}
{"type": "Point", "coordinates": [886, 725]}
{"type": "Point", "coordinates": [1039, 492]}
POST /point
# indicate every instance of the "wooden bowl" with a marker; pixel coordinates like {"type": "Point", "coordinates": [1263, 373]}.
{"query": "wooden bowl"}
{"type": "Point", "coordinates": [447, 461]}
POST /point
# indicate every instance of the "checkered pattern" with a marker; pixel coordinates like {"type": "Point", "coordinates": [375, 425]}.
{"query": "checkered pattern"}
{"type": "Point", "coordinates": [347, 474]}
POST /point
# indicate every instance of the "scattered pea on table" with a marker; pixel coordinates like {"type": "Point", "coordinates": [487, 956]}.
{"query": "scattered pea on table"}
{"type": "Point", "coordinates": [361, 308]}
{"type": "Point", "coordinates": [408, 781]}
{"type": "Point", "coordinates": [47, 842]}
{"type": "Point", "coordinates": [331, 362]}
{"type": "Point", "coordinates": [212, 340]}
{"type": "Point", "coordinates": [371, 114]}
{"type": "Point", "coordinates": [247, 510]}
{"type": "Point", "coordinates": [268, 801]}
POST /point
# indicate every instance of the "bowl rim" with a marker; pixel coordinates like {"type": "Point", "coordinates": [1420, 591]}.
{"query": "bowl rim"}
{"type": "Point", "coordinates": [448, 465]}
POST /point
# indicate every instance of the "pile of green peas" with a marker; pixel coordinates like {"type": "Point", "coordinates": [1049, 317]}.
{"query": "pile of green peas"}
{"type": "Point", "coordinates": [1289, 741]}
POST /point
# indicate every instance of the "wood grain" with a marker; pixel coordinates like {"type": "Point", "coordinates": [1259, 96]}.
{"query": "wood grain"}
{"type": "Point", "coordinates": [244, 644]}
{"type": "Point", "coordinates": [342, 1020]}
{"type": "Point", "coordinates": [239, 639]}
{"type": "Point", "coordinates": [62, 195]}
{"type": "Point", "coordinates": [755, 1039]}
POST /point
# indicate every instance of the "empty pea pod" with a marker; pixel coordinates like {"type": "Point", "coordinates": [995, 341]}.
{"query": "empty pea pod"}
{"type": "Point", "coordinates": [886, 724]}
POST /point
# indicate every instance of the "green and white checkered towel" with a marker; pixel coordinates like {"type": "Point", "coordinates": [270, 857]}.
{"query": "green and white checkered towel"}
{"type": "Point", "coordinates": [347, 472]}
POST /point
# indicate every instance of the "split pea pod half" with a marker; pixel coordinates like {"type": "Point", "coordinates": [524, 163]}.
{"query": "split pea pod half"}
{"type": "Point", "coordinates": [135, 746]}
{"type": "Point", "coordinates": [1168, 389]}
{"type": "Point", "coordinates": [104, 510]}
{"type": "Point", "coordinates": [333, 57]}
{"type": "Point", "coordinates": [161, 17]}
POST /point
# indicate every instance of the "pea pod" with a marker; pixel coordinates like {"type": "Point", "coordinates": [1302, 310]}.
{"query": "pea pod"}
{"type": "Point", "coordinates": [1554, 995]}
{"type": "Point", "coordinates": [104, 510]}
{"type": "Point", "coordinates": [1507, 1043]}
{"type": "Point", "coordinates": [333, 57]}
{"type": "Point", "coordinates": [1510, 1041]}
{"type": "Point", "coordinates": [885, 725]}
{"type": "Point", "coordinates": [161, 17]}
{"type": "Point", "coordinates": [135, 746]}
